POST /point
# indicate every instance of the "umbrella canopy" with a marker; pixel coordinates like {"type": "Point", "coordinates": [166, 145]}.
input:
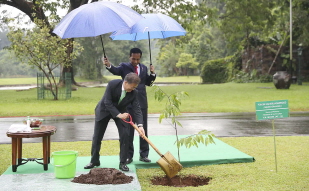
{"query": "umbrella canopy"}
{"type": "Point", "coordinates": [152, 27]}
{"type": "Point", "coordinates": [158, 26]}
{"type": "Point", "coordinates": [95, 19]}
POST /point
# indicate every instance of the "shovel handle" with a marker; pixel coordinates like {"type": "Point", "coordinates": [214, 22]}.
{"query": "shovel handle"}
{"type": "Point", "coordinates": [142, 135]}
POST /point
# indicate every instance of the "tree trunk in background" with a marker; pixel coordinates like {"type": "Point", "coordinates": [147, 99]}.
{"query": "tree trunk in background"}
{"type": "Point", "coordinates": [35, 11]}
{"type": "Point", "coordinates": [73, 5]}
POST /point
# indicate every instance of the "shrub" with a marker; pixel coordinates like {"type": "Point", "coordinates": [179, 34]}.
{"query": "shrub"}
{"type": "Point", "coordinates": [215, 71]}
{"type": "Point", "coordinates": [230, 69]}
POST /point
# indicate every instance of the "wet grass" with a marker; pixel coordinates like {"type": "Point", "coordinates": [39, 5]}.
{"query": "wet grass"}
{"type": "Point", "coordinates": [33, 80]}
{"type": "Point", "coordinates": [210, 98]}
{"type": "Point", "coordinates": [292, 152]}
{"type": "Point", "coordinates": [292, 164]}
{"type": "Point", "coordinates": [292, 169]}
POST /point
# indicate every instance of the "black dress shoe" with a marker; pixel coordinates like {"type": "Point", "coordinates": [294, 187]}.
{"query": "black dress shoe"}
{"type": "Point", "coordinates": [123, 167]}
{"type": "Point", "coordinates": [91, 165]}
{"type": "Point", "coordinates": [144, 159]}
{"type": "Point", "coordinates": [129, 161]}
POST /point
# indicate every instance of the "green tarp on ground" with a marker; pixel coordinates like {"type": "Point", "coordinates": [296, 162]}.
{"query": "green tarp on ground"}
{"type": "Point", "coordinates": [32, 174]}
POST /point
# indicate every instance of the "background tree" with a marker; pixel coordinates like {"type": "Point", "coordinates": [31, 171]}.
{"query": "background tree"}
{"type": "Point", "coordinates": [89, 63]}
{"type": "Point", "coordinates": [196, 18]}
{"type": "Point", "coordinates": [215, 29]}
{"type": "Point", "coordinates": [167, 58]}
{"type": "Point", "coordinates": [244, 19]}
{"type": "Point", "coordinates": [186, 62]}
{"type": "Point", "coordinates": [4, 41]}
{"type": "Point", "coordinates": [39, 48]}
{"type": "Point", "coordinates": [185, 12]}
{"type": "Point", "coordinates": [38, 9]}
{"type": "Point", "coordinates": [300, 21]}
{"type": "Point", "coordinates": [10, 66]}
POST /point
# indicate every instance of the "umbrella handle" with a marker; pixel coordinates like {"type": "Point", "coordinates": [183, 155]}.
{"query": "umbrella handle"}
{"type": "Point", "coordinates": [103, 46]}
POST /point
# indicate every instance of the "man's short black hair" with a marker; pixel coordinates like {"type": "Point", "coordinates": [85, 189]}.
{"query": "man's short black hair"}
{"type": "Point", "coordinates": [135, 50]}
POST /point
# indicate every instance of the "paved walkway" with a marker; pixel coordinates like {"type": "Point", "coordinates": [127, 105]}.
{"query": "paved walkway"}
{"type": "Point", "coordinates": [80, 128]}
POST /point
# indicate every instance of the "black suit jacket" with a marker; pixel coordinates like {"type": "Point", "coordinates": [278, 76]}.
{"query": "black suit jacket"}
{"type": "Point", "coordinates": [146, 80]}
{"type": "Point", "coordinates": [108, 105]}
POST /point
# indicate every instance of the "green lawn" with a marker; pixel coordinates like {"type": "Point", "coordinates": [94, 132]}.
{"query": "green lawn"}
{"type": "Point", "coordinates": [21, 81]}
{"type": "Point", "coordinates": [212, 98]}
{"type": "Point", "coordinates": [292, 163]}
{"type": "Point", "coordinates": [17, 81]}
{"type": "Point", "coordinates": [292, 152]}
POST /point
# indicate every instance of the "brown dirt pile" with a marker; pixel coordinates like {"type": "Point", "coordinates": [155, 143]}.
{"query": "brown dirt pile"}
{"type": "Point", "coordinates": [101, 176]}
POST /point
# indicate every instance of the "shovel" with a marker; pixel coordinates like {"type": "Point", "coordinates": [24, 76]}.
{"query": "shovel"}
{"type": "Point", "coordinates": [167, 162]}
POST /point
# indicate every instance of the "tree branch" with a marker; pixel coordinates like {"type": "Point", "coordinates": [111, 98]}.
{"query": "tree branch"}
{"type": "Point", "coordinates": [31, 9]}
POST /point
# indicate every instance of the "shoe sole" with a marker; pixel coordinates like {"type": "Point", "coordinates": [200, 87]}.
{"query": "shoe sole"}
{"type": "Point", "coordinates": [92, 167]}
{"type": "Point", "coordinates": [144, 161]}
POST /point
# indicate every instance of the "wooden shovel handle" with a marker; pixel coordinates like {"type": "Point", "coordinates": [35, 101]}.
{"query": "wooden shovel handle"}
{"type": "Point", "coordinates": [143, 136]}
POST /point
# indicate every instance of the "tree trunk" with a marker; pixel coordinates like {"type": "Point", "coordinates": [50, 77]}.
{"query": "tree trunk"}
{"type": "Point", "coordinates": [68, 66]}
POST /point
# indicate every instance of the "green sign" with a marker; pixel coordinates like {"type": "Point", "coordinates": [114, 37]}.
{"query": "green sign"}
{"type": "Point", "coordinates": [272, 109]}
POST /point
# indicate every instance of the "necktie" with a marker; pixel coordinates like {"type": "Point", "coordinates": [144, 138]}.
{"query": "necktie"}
{"type": "Point", "coordinates": [136, 71]}
{"type": "Point", "coordinates": [123, 94]}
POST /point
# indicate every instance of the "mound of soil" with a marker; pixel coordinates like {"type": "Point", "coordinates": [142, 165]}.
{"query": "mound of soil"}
{"type": "Point", "coordinates": [103, 176]}
{"type": "Point", "coordinates": [181, 181]}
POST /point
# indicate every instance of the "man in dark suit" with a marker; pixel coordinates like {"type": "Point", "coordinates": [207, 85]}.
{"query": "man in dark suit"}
{"type": "Point", "coordinates": [118, 95]}
{"type": "Point", "coordinates": [146, 80]}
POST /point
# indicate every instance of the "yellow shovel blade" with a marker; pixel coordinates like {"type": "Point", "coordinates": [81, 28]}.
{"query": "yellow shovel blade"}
{"type": "Point", "coordinates": [169, 165]}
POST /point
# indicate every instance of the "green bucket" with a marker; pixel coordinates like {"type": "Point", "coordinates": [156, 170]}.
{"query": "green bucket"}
{"type": "Point", "coordinates": [64, 163]}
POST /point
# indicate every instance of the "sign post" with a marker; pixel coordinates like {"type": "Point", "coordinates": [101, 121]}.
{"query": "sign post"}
{"type": "Point", "coordinates": [272, 110]}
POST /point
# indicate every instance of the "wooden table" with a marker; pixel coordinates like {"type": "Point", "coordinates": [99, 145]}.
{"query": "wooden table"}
{"type": "Point", "coordinates": [45, 132]}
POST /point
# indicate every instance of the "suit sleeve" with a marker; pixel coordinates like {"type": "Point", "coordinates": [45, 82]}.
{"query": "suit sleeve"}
{"type": "Point", "coordinates": [108, 101]}
{"type": "Point", "coordinates": [150, 79]}
{"type": "Point", "coordinates": [118, 71]}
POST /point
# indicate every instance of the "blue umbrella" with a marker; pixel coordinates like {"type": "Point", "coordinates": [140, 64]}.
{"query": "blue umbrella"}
{"type": "Point", "coordinates": [95, 19]}
{"type": "Point", "coordinates": [152, 27]}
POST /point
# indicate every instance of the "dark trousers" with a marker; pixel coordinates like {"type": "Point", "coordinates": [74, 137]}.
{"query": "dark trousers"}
{"type": "Point", "coordinates": [99, 131]}
{"type": "Point", "coordinates": [143, 145]}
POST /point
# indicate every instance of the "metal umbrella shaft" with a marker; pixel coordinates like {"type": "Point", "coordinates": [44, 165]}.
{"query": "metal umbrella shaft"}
{"type": "Point", "coordinates": [102, 46]}
{"type": "Point", "coordinates": [149, 48]}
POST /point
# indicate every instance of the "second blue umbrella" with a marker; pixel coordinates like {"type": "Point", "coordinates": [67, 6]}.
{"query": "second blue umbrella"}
{"type": "Point", "coordinates": [153, 26]}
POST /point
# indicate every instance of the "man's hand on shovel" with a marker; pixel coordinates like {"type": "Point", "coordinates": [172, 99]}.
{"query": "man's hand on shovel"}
{"type": "Point", "coordinates": [128, 119]}
{"type": "Point", "coordinates": [123, 116]}
{"type": "Point", "coordinates": [141, 132]}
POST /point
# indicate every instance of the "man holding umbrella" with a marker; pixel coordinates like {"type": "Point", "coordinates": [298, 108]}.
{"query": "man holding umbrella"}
{"type": "Point", "coordinates": [146, 80]}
